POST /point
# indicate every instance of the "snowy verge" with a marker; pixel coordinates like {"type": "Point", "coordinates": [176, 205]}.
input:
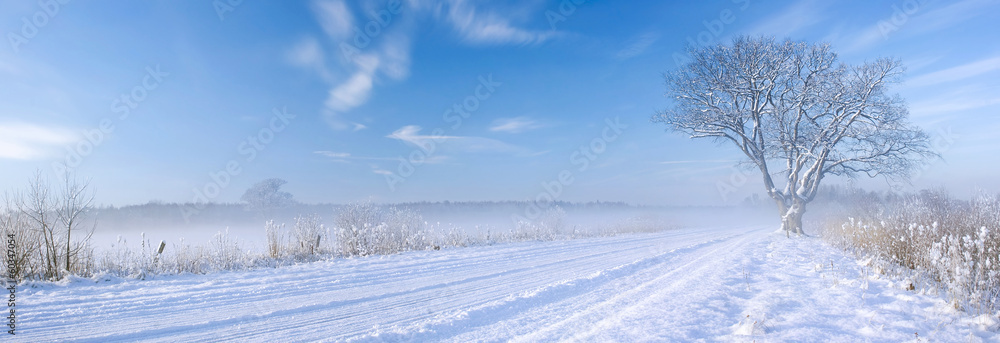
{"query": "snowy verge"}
{"type": "Point", "coordinates": [802, 289]}
{"type": "Point", "coordinates": [729, 284]}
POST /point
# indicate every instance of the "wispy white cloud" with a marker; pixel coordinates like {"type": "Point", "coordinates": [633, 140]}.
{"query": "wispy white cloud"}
{"type": "Point", "coordinates": [335, 18]}
{"type": "Point", "coordinates": [954, 105]}
{"type": "Point", "coordinates": [956, 73]}
{"type": "Point", "coordinates": [925, 19]}
{"type": "Point", "coordinates": [333, 154]}
{"type": "Point", "coordinates": [411, 135]}
{"type": "Point", "coordinates": [514, 125]}
{"type": "Point", "coordinates": [950, 15]}
{"type": "Point", "coordinates": [795, 17]}
{"type": "Point", "coordinates": [377, 170]}
{"type": "Point", "coordinates": [957, 101]}
{"type": "Point", "coordinates": [390, 59]}
{"type": "Point", "coordinates": [359, 66]}
{"type": "Point", "coordinates": [387, 54]}
{"type": "Point", "coordinates": [698, 161]}
{"type": "Point", "coordinates": [23, 141]}
{"type": "Point", "coordinates": [309, 54]}
{"type": "Point", "coordinates": [864, 39]}
{"type": "Point", "coordinates": [353, 92]}
{"type": "Point", "coordinates": [636, 46]}
{"type": "Point", "coordinates": [918, 63]}
{"type": "Point", "coordinates": [478, 26]}
{"type": "Point", "coordinates": [343, 157]}
{"type": "Point", "coordinates": [346, 157]}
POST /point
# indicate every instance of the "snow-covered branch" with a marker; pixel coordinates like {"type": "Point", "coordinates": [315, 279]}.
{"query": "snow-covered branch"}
{"type": "Point", "coordinates": [794, 103]}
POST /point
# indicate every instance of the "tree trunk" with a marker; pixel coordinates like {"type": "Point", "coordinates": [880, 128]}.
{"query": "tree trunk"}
{"type": "Point", "coordinates": [791, 219]}
{"type": "Point", "coordinates": [69, 231]}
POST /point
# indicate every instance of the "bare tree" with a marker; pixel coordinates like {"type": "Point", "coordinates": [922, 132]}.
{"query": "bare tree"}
{"type": "Point", "coordinates": [796, 114]}
{"type": "Point", "coordinates": [39, 208]}
{"type": "Point", "coordinates": [266, 196]}
{"type": "Point", "coordinates": [56, 218]}
{"type": "Point", "coordinates": [74, 202]}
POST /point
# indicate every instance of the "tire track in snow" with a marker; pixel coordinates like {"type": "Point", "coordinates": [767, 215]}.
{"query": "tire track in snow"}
{"type": "Point", "coordinates": [339, 299]}
{"type": "Point", "coordinates": [568, 290]}
{"type": "Point", "coordinates": [489, 292]}
{"type": "Point", "coordinates": [223, 289]}
{"type": "Point", "coordinates": [675, 281]}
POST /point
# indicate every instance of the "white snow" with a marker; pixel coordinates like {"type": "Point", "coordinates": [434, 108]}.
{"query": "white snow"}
{"type": "Point", "coordinates": [729, 284]}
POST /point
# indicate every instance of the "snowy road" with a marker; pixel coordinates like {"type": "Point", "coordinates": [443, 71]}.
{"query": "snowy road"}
{"type": "Point", "coordinates": [673, 286]}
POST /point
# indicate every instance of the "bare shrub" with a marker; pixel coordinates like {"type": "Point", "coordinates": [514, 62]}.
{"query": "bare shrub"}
{"type": "Point", "coordinates": [366, 229]}
{"type": "Point", "coordinates": [352, 226]}
{"type": "Point", "coordinates": [26, 243]}
{"type": "Point", "coordinates": [308, 234]}
{"type": "Point", "coordinates": [73, 204]}
{"type": "Point", "coordinates": [226, 252]}
{"type": "Point", "coordinates": [949, 244]}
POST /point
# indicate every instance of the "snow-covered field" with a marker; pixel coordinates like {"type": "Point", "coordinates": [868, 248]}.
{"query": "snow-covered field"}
{"type": "Point", "coordinates": [729, 284]}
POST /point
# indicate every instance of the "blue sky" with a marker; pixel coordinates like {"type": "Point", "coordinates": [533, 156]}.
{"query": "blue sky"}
{"type": "Point", "coordinates": [158, 100]}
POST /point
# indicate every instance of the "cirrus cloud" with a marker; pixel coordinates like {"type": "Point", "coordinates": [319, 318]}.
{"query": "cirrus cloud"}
{"type": "Point", "coordinates": [24, 141]}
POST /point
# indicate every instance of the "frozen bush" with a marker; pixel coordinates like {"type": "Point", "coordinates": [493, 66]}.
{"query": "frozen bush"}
{"type": "Point", "coordinates": [366, 229]}
{"type": "Point", "coordinates": [308, 234]}
{"type": "Point", "coordinates": [353, 224]}
{"type": "Point", "coordinates": [951, 245]}
{"type": "Point", "coordinates": [25, 260]}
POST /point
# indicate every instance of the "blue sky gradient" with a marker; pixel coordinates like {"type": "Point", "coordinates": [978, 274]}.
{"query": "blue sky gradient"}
{"type": "Point", "coordinates": [169, 100]}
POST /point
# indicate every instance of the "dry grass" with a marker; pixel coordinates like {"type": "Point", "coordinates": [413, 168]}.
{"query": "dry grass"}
{"type": "Point", "coordinates": [938, 242]}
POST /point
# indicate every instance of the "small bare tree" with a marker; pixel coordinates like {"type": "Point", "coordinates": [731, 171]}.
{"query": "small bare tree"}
{"type": "Point", "coordinates": [74, 202]}
{"type": "Point", "coordinates": [791, 105]}
{"type": "Point", "coordinates": [39, 208]}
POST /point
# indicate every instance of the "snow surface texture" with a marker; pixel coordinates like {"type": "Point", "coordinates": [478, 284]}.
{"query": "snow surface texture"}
{"type": "Point", "coordinates": [730, 284]}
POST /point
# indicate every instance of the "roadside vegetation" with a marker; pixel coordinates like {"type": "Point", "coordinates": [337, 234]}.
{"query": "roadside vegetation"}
{"type": "Point", "coordinates": [52, 229]}
{"type": "Point", "coordinates": [936, 243]}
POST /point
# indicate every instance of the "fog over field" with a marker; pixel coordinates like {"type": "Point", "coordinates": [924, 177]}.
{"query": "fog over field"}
{"type": "Point", "coordinates": [526, 170]}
